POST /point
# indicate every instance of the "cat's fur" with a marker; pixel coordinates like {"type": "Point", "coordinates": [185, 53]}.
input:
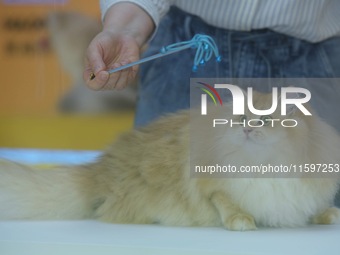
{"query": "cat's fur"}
{"type": "Point", "coordinates": [144, 177]}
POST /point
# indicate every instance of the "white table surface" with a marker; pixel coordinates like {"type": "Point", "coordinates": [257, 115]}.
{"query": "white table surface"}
{"type": "Point", "coordinates": [96, 238]}
{"type": "Point", "coordinates": [91, 237]}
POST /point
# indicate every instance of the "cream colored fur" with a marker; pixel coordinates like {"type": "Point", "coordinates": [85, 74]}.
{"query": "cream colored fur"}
{"type": "Point", "coordinates": [144, 177]}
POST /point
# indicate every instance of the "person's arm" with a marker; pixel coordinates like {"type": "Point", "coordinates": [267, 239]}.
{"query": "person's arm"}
{"type": "Point", "coordinates": [130, 19]}
{"type": "Point", "coordinates": [126, 27]}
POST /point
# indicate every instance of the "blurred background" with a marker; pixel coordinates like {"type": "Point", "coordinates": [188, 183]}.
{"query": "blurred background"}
{"type": "Point", "coordinates": [44, 102]}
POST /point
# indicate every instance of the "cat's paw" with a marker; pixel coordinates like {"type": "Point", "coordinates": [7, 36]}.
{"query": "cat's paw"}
{"type": "Point", "coordinates": [240, 222]}
{"type": "Point", "coordinates": [330, 216]}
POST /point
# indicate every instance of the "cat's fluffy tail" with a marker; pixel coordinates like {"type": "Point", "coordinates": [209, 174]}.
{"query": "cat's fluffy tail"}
{"type": "Point", "coordinates": [28, 193]}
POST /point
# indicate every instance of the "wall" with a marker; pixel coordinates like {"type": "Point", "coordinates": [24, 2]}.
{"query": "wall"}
{"type": "Point", "coordinates": [31, 77]}
{"type": "Point", "coordinates": [32, 81]}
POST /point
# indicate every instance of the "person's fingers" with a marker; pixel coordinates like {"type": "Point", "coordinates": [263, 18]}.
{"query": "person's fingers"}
{"type": "Point", "coordinates": [118, 80]}
{"type": "Point", "coordinates": [123, 79]}
{"type": "Point", "coordinates": [127, 77]}
{"type": "Point", "coordinates": [100, 59]}
{"type": "Point", "coordinates": [105, 81]}
{"type": "Point", "coordinates": [113, 81]}
{"type": "Point", "coordinates": [101, 79]}
{"type": "Point", "coordinates": [95, 59]}
{"type": "Point", "coordinates": [94, 74]}
{"type": "Point", "coordinates": [87, 74]}
{"type": "Point", "coordinates": [97, 83]}
{"type": "Point", "coordinates": [95, 65]}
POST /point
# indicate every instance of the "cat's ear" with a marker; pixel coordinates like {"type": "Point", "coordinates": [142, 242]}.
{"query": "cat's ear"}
{"type": "Point", "coordinates": [291, 108]}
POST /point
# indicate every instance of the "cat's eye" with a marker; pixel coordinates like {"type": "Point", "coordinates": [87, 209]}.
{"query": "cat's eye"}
{"type": "Point", "coordinates": [243, 118]}
{"type": "Point", "coordinates": [266, 119]}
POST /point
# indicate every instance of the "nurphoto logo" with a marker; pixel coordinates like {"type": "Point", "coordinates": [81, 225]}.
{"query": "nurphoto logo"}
{"type": "Point", "coordinates": [289, 97]}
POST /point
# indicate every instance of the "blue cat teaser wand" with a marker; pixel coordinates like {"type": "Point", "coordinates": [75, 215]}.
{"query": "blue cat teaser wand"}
{"type": "Point", "coordinates": [205, 45]}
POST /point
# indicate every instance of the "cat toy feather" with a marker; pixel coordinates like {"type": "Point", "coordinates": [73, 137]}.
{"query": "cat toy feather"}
{"type": "Point", "coordinates": [205, 45]}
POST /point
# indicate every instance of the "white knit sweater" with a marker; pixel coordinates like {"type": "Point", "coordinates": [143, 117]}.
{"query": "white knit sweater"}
{"type": "Point", "coordinates": [311, 20]}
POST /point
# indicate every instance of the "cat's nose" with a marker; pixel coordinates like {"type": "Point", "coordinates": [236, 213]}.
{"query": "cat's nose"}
{"type": "Point", "coordinates": [247, 130]}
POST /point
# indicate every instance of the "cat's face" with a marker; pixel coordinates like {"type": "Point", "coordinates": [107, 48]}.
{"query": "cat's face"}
{"type": "Point", "coordinates": [265, 132]}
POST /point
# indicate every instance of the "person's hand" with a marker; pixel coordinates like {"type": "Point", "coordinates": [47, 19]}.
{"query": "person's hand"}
{"type": "Point", "coordinates": [109, 50]}
{"type": "Point", "coordinates": [125, 30]}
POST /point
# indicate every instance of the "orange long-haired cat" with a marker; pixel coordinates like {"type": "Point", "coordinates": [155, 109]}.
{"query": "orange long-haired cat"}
{"type": "Point", "coordinates": [144, 177]}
